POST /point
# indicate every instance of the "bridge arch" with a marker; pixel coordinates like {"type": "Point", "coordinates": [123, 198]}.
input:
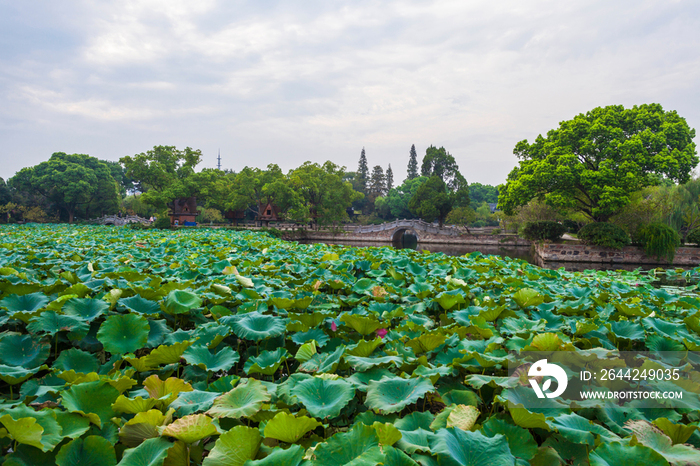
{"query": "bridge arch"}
{"type": "Point", "coordinates": [397, 235]}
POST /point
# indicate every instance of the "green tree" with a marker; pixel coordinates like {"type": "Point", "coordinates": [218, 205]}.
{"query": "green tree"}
{"type": "Point", "coordinates": [163, 173]}
{"type": "Point", "coordinates": [412, 164]}
{"type": "Point", "coordinates": [362, 173]}
{"type": "Point", "coordinates": [377, 184]}
{"type": "Point", "coordinates": [389, 178]}
{"type": "Point", "coordinates": [594, 162]}
{"type": "Point", "coordinates": [479, 193]}
{"type": "Point", "coordinates": [248, 190]}
{"type": "Point", "coordinates": [5, 194]}
{"type": "Point", "coordinates": [432, 201]}
{"type": "Point", "coordinates": [395, 203]}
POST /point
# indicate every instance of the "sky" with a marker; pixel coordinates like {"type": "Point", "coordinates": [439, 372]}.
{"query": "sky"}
{"type": "Point", "coordinates": [287, 82]}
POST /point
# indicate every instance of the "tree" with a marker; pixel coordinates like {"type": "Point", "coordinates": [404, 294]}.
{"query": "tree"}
{"type": "Point", "coordinates": [163, 173]}
{"type": "Point", "coordinates": [248, 191]}
{"type": "Point", "coordinates": [389, 178]}
{"type": "Point", "coordinates": [5, 194]}
{"type": "Point", "coordinates": [432, 201]}
{"type": "Point", "coordinates": [362, 173]}
{"type": "Point", "coordinates": [594, 162]}
{"type": "Point", "coordinates": [395, 203]}
{"type": "Point", "coordinates": [70, 181]}
{"type": "Point", "coordinates": [412, 164]}
{"type": "Point", "coordinates": [479, 193]}
{"type": "Point", "coordinates": [439, 162]}
{"type": "Point", "coordinates": [377, 184]}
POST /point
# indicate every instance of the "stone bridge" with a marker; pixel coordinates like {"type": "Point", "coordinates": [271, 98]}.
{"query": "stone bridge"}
{"type": "Point", "coordinates": [120, 221]}
{"type": "Point", "coordinates": [393, 231]}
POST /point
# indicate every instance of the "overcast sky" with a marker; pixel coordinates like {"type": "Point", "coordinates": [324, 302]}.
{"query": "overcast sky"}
{"type": "Point", "coordinates": [285, 82]}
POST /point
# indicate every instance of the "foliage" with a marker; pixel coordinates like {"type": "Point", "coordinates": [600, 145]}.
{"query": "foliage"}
{"type": "Point", "coordinates": [432, 201]}
{"type": "Point", "coordinates": [210, 215]}
{"type": "Point", "coordinates": [603, 234]}
{"type": "Point", "coordinates": [440, 163]}
{"type": "Point", "coordinates": [389, 178]}
{"type": "Point", "coordinates": [199, 344]}
{"type": "Point", "coordinates": [462, 216]}
{"type": "Point", "coordinates": [163, 173]}
{"type": "Point", "coordinates": [660, 240]}
{"type": "Point", "coordinates": [377, 183]}
{"type": "Point", "coordinates": [683, 213]}
{"type": "Point", "coordinates": [362, 174]}
{"type": "Point", "coordinates": [649, 205]}
{"type": "Point", "coordinates": [412, 171]}
{"type": "Point", "coordinates": [479, 193]}
{"type": "Point", "coordinates": [694, 237]}
{"type": "Point", "coordinates": [539, 231]}
{"type": "Point", "coordinates": [162, 221]}
{"type": "Point", "coordinates": [395, 203]}
{"type": "Point", "coordinates": [594, 162]}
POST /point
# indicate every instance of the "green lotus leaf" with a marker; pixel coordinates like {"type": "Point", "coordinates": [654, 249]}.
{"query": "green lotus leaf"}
{"type": "Point", "coordinates": [234, 447]}
{"type": "Point", "coordinates": [527, 297]}
{"type": "Point", "coordinates": [395, 457]}
{"type": "Point", "coordinates": [124, 333]}
{"type": "Point", "coordinates": [77, 360]}
{"type": "Point", "coordinates": [50, 322]}
{"type": "Point", "coordinates": [615, 454]}
{"type": "Point", "coordinates": [365, 364]}
{"type": "Point", "coordinates": [678, 433]}
{"type": "Point", "coordinates": [166, 391]}
{"type": "Point", "coordinates": [421, 290]}
{"type": "Point", "coordinates": [91, 399]}
{"type": "Point", "coordinates": [151, 452]}
{"type": "Point", "coordinates": [25, 430]}
{"type": "Point", "coordinates": [46, 418]}
{"type": "Point", "coordinates": [650, 436]}
{"type": "Point", "coordinates": [15, 374]}
{"type": "Point", "coordinates": [316, 334]}
{"type": "Point", "coordinates": [577, 429]}
{"type": "Point", "coordinates": [167, 354]}
{"type": "Point", "coordinates": [457, 447]}
{"type": "Point", "coordinates": [28, 303]}
{"type": "Point", "coordinates": [140, 305]}
{"type": "Point", "coordinates": [223, 384]}
{"type": "Point", "coordinates": [87, 309]}
{"type": "Point", "coordinates": [364, 286]}
{"type": "Point", "coordinates": [417, 440]}
{"type": "Point", "coordinates": [545, 342]}
{"type": "Point", "coordinates": [390, 395]}
{"type": "Point", "coordinates": [25, 455]}
{"type": "Point", "coordinates": [245, 281]}
{"type": "Point", "coordinates": [182, 301]}
{"type": "Point", "coordinates": [477, 381]}
{"type": "Point", "coordinates": [91, 450]}
{"type": "Point", "coordinates": [364, 325]}
{"type": "Point", "coordinates": [364, 348]}
{"type": "Point", "coordinates": [306, 352]}
{"type": "Point", "coordinates": [243, 401]}
{"type": "Point", "coordinates": [449, 299]}
{"type": "Point", "coordinates": [387, 433]}
{"type": "Point", "coordinates": [194, 401]}
{"type": "Point", "coordinates": [23, 350]}
{"type": "Point", "coordinates": [358, 447]}
{"type": "Point", "coordinates": [203, 357]}
{"type": "Point", "coordinates": [281, 299]}
{"type": "Point", "coordinates": [191, 428]}
{"type": "Point", "coordinates": [143, 426]}
{"type": "Point", "coordinates": [267, 363]}
{"type": "Point", "coordinates": [211, 334]}
{"type": "Point", "coordinates": [361, 380]}
{"type": "Point", "coordinates": [463, 417]}
{"type": "Point", "coordinates": [520, 441]}
{"type": "Point", "coordinates": [324, 398]}
{"type": "Point", "coordinates": [255, 325]}
{"type": "Point", "coordinates": [72, 425]}
{"type": "Point", "coordinates": [427, 342]}
{"type": "Point", "coordinates": [133, 405]}
{"type": "Point", "coordinates": [324, 362]}
{"type": "Point", "coordinates": [288, 427]}
{"type": "Point", "coordinates": [292, 456]}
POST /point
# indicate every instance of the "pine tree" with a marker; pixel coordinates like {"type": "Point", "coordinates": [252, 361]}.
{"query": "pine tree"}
{"type": "Point", "coordinates": [389, 178]}
{"type": "Point", "coordinates": [412, 164]}
{"type": "Point", "coordinates": [363, 172]}
{"type": "Point", "coordinates": [377, 183]}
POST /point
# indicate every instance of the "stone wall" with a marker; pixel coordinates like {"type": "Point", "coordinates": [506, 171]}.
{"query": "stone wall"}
{"type": "Point", "coordinates": [688, 257]}
{"type": "Point", "coordinates": [423, 237]}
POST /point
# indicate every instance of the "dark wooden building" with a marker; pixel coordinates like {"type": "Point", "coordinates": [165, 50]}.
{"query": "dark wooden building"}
{"type": "Point", "coordinates": [267, 214]}
{"type": "Point", "coordinates": [234, 216]}
{"type": "Point", "coordinates": [183, 210]}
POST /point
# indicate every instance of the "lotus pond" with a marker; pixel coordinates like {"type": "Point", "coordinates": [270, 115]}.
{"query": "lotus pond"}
{"type": "Point", "coordinates": [213, 347]}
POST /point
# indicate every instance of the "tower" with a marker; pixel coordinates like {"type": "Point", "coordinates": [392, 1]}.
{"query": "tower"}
{"type": "Point", "coordinates": [218, 165]}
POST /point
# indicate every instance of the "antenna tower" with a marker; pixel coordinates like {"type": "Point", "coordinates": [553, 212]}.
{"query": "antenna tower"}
{"type": "Point", "coordinates": [218, 165]}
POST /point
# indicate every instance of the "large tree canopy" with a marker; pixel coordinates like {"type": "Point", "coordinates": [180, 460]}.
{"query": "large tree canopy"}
{"type": "Point", "coordinates": [163, 173]}
{"type": "Point", "coordinates": [594, 162]}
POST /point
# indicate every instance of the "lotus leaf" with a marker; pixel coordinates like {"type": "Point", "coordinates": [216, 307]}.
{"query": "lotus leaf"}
{"type": "Point", "coordinates": [455, 446]}
{"type": "Point", "coordinates": [201, 356]}
{"type": "Point", "coordinates": [292, 456]}
{"type": "Point", "coordinates": [14, 375]}
{"type": "Point", "coordinates": [182, 301]}
{"type": "Point", "coordinates": [23, 350]}
{"type": "Point", "coordinates": [392, 394]}
{"type": "Point", "coordinates": [359, 446]}
{"type": "Point", "coordinates": [288, 427]}
{"type": "Point", "coordinates": [520, 441]}
{"type": "Point", "coordinates": [28, 303]}
{"type": "Point", "coordinates": [191, 428]}
{"type": "Point", "coordinates": [167, 354]}
{"type": "Point", "coordinates": [324, 398]}
{"type": "Point", "coordinates": [25, 430]}
{"type": "Point", "coordinates": [234, 447]}
{"type": "Point", "coordinates": [72, 425]}
{"type": "Point", "coordinates": [449, 299]}
{"type": "Point", "coordinates": [255, 325]}
{"type": "Point", "coordinates": [77, 360]}
{"type": "Point", "coordinates": [365, 325]}
{"type": "Point", "coordinates": [133, 405]}
{"type": "Point", "coordinates": [143, 426]}
{"type": "Point", "coordinates": [652, 437]}
{"type": "Point", "coordinates": [140, 305]}
{"type": "Point", "coordinates": [91, 399]}
{"type": "Point", "coordinates": [92, 450]}
{"type": "Point", "coordinates": [386, 432]}
{"type": "Point", "coordinates": [120, 334]}
{"type": "Point", "coordinates": [87, 309]}
{"type": "Point", "coordinates": [323, 362]}
{"type": "Point", "coordinates": [151, 452]}
{"type": "Point", "coordinates": [194, 401]}
{"type": "Point", "coordinates": [580, 430]}
{"type": "Point", "coordinates": [50, 322]}
{"type": "Point", "coordinates": [267, 363]}
{"type": "Point", "coordinates": [165, 391]}
{"type": "Point", "coordinates": [243, 401]}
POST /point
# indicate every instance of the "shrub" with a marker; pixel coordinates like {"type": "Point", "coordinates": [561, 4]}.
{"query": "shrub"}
{"type": "Point", "coordinates": [604, 234]}
{"type": "Point", "coordinates": [162, 222]}
{"type": "Point", "coordinates": [660, 240]}
{"type": "Point", "coordinates": [693, 237]}
{"type": "Point", "coordinates": [496, 231]}
{"type": "Point", "coordinates": [545, 230]}
{"type": "Point", "coordinates": [571, 225]}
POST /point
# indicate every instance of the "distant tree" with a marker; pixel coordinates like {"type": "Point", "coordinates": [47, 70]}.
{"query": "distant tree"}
{"type": "Point", "coordinates": [248, 188]}
{"type": "Point", "coordinates": [432, 201]}
{"type": "Point", "coordinates": [377, 183]}
{"type": "Point", "coordinates": [395, 203]}
{"type": "Point", "coordinates": [593, 163]}
{"type": "Point", "coordinates": [439, 162]}
{"type": "Point", "coordinates": [389, 178]}
{"type": "Point", "coordinates": [362, 173]}
{"type": "Point", "coordinates": [126, 184]}
{"type": "Point", "coordinates": [412, 164]}
{"type": "Point", "coordinates": [163, 173]}
{"type": "Point", "coordinates": [479, 193]}
{"type": "Point", "coordinates": [5, 194]}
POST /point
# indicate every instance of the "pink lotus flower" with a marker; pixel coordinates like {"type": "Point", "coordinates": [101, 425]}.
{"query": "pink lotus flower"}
{"type": "Point", "coordinates": [381, 332]}
{"type": "Point", "coordinates": [333, 326]}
